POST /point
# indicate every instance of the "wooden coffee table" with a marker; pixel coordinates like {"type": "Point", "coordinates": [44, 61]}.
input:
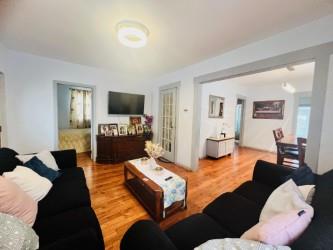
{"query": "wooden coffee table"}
{"type": "Point", "coordinates": [150, 194]}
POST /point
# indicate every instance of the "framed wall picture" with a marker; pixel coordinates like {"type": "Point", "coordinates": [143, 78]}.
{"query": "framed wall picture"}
{"type": "Point", "coordinates": [123, 129]}
{"type": "Point", "coordinates": [139, 129]}
{"type": "Point", "coordinates": [131, 130]}
{"type": "Point", "coordinates": [268, 109]}
{"type": "Point", "coordinates": [216, 106]}
{"type": "Point", "coordinates": [135, 120]}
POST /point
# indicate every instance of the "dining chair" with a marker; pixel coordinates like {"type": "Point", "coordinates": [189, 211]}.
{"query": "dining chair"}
{"type": "Point", "coordinates": [286, 155]}
{"type": "Point", "coordinates": [301, 143]}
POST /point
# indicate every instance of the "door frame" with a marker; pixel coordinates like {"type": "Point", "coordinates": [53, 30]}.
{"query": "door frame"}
{"type": "Point", "coordinates": [320, 54]}
{"type": "Point", "coordinates": [93, 113]}
{"type": "Point", "coordinates": [175, 85]}
{"type": "Point", "coordinates": [241, 137]}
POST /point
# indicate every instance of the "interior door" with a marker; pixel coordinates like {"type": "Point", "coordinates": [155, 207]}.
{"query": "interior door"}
{"type": "Point", "coordinates": [167, 122]}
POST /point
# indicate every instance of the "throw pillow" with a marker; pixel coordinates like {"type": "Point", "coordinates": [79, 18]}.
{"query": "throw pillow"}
{"type": "Point", "coordinates": [281, 229]}
{"type": "Point", "coordinates": [308, 192]}
{"type": "Point", "coordinates": [45, 156]}
{"type": "Point", "coordinates": [15, 234]}
{"type": "Point", "coordinates": [284, 198]}
{"type": "Point", "coordinates": [238, 244]}
{"type": "Point", "coordinates": [30, 182]}
{"type": "Point", "coordinates": [40, 168]}
{"type": "Point", "coordinates": [14, 201]}
{"type": "Point", "coordinates": [302, 176]}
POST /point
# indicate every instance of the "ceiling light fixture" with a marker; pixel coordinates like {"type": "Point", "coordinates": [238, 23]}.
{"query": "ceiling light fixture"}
{"type": "Point", "coordinates": [132, 34]}
{"type": "Point", "coordinates": [288, 87]}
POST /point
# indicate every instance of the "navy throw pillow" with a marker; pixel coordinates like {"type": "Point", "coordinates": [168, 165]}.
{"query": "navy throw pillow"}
{"type": "Point", "coordinates": [302, 176]}
{"type": "Point", "coordinates": [40, 168]}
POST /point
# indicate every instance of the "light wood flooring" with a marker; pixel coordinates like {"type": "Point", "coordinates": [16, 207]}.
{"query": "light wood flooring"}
{"type": "Point", "coordinates": [117, 209]}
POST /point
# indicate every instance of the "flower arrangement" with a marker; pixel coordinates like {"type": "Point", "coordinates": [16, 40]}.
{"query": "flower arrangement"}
{"type": "Point", "coordinates": [148, 120]}
{"type": "Point", "coordinates": [154, 150]}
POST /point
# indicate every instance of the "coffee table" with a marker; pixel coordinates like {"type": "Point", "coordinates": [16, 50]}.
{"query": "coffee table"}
{"type": "Point", "coordinates": [152, 195]}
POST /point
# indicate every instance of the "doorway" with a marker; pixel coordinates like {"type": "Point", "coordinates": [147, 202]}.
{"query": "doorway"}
{"type": "Point", "coordinates": [3, 130]}
{"type": "Point", "coordinates": [75, 117]}
{"type": "Point", "coordinates": [239, 121]}
{"type": "Point", "coordinates": [167, 122]}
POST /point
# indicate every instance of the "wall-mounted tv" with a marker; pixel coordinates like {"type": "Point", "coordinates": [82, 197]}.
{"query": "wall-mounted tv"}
{"type": "Point", "coordinates": [125, 104]}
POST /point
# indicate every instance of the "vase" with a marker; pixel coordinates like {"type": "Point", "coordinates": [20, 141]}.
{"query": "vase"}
{"type": "Point", "coordinates": [153, 164]}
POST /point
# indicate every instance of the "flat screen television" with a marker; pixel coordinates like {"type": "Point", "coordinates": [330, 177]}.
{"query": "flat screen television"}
{"type": "Point", "coordinates": [125, 104]}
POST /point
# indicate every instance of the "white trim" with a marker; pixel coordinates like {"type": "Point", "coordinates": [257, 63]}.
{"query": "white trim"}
{"type": "Point", "coordinates": [93, 115]}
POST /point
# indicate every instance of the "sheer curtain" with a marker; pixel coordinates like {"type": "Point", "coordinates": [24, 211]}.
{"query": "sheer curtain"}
{"type": "Point", "coordinates": [80, 108]}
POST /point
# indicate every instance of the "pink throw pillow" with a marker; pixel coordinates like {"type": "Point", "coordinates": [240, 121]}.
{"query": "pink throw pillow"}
{"type": "Point", "coordinates": [281, 229]}
{"type": "Point", "coordinates": [14, 201]}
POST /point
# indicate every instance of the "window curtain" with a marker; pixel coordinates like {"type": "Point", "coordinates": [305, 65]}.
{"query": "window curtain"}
{"type": "Point", "coordinates": [80, 108]}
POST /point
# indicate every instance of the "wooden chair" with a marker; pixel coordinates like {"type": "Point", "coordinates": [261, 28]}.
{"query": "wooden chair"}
{"type": "Point", "coordinates": [301, 143]}
{"type": "Point", "coordinates": [285, 155]}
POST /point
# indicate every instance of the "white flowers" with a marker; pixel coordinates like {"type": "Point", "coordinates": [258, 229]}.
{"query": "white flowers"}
{"type": "Point", "coordinates": [154, 150]}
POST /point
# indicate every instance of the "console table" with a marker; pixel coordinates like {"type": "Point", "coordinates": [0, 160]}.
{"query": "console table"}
{"type": "Point", "coordinates": [218, 147]}
{"type": "Point", "coordinates": [115, 149]}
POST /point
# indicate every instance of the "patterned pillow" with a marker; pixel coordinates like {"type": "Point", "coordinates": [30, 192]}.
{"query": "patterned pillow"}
{"type": "Point", "coordinates": [238, 244]}
{"type": "Point", "coordinates": [16, 235]}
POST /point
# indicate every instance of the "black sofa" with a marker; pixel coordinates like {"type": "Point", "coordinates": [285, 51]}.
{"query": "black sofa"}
{"type": "Point", "coordinates": [65, 219]}
{"type": "Point", "coordinates": [232, 213]}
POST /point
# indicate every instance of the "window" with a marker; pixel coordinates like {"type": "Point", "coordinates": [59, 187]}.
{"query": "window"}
{"type": "Point", "coordinates": [303, 120]}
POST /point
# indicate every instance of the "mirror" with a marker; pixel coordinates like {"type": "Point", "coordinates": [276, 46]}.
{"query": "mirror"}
{"type": "Point", "coordinates": [216, 106]}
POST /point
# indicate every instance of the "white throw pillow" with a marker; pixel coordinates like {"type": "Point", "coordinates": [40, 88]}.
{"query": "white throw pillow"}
{"type": "Point", "coordinates": [307, 192]}
{"type": "Point", "coordinates": [285, 198]}
{"type": "Point", "coordinates": [45, 156]}
{"type": "Point", "coordinates": [30, 182]}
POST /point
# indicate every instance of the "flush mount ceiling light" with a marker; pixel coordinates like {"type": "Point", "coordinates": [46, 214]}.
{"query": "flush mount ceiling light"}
{"type": "Point", "coordinates": [288, 87]}
{"type": "Point", "coordinates": [132, 34]}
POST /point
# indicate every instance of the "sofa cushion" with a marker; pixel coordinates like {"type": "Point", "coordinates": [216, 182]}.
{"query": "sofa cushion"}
{"type": "Point", "coordinates": [8, 161]}
{"type": "Point", "coordinates": [63, 225]}
{"type": "Point", "coordinates": [195, 230]}
{"type": "Point", "coordinates": [84, 239]}
{"type": "Point", "coordinates": [40, 168]}
{"type": "Point", "coordinates": [255, 192]}
{"type": "Point", "coordinates": [234, 212]}
{"type": "Point", "coordinates": [68, 192]}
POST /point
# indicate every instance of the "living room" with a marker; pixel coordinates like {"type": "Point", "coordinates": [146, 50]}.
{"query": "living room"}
{"type": "Point", "coordinates": [43, 44]}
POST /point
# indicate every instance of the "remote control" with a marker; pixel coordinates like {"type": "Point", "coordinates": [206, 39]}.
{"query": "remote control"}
{"type": "Point", "coordinates": [169, 178]}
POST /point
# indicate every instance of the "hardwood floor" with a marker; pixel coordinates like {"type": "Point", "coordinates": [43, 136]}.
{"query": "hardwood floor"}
{"type": "Point", "coordinates": [117, 209]}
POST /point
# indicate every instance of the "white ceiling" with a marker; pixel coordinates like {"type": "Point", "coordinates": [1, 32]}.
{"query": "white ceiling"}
{"type": "Point", "coordinates": [301, 77]}
{"type": "Point", "coordinates": [182, 32]}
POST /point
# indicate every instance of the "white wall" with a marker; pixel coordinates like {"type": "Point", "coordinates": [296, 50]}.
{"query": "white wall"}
{"type": "Point", "coordinates": [213, 126]}
{"type": "Point", "coordinates": [315, 33]}
{"type": "Point", "coordinates": [326, 146]}
{"type": "Point", "coordinates": [31, 102]}
{"type": "Point", "coordinates": [257, 133]}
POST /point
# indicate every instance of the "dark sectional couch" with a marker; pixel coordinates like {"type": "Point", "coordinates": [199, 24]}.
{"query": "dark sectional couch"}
{"type": "Point", "coordinates": [65, 219]}
{"type": "Point", "coordinates": [232, 213]}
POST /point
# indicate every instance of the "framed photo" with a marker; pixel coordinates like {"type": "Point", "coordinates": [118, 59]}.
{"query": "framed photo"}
{"type": "Point", "coordinates": [123, 129]}
{"type": "Point", "coordinates": [135, 120]}
{"type": "Point", "coordinates": [103, 129]}
{"type": "Point", "coordinates": [113, 130]}
{"type": "Point", "coordinates": [139, 129]}
{"type": "Point", "coordinates": [146, 129]}
{"type": "Point", "coordinates": [131, 130]}
{"type": "Point", "coordinates": [268, 109]}
{"type": "Point", "coordinates": [216, 106]}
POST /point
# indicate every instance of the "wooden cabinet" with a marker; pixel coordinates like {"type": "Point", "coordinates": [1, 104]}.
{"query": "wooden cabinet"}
{"type": "Point", "coordinates": [115, 149]}
{"type": "Point", "coordinates": [218, 147]}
